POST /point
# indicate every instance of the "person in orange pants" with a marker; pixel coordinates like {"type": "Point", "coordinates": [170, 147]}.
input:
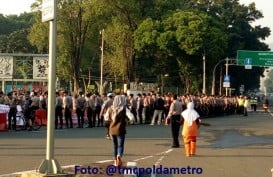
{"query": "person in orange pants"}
{"type": "Point", "coordinates": [190, 121]}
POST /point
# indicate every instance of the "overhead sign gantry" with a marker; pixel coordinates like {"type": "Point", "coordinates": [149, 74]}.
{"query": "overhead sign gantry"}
{"type": "Point", "coordinates": [255, 58]}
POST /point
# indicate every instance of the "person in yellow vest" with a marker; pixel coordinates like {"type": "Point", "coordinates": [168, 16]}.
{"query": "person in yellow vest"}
{"type": "Point", "coordinates": [253, 103]}
{"type": "Point", "coordinates": [190, 121]}
{"type": "Point", "coordinates": [246, 105]}
{"type": "Point", "coordinates": [241, 102]}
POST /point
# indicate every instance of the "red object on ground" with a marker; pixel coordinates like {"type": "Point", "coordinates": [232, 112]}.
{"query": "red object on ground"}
{"type": "Point", "coordinates": [3, 122]}
{"type": "Point", "coordinates": [41, 114]}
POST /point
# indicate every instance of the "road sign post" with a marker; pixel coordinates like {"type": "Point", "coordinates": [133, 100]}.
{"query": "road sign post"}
{"type": "Point", "coordinates": [48, 10]}
{"type": "Point", "coordinates": [50, 165]}
{"type": "Point", "coordinates": [226, 82]}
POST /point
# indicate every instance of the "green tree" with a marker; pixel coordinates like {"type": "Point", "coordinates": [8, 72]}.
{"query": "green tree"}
{"type": "Point", "coordinates": [14, 30]}
{"type": "Point", "coordinates": [236, 19]}
{"type": "Point", "coordinates": [183, 36]}
{"type": "Point", "coordinates": [17, 42]}
{"type": "Point", "coordinates": [3, 43]}
{"type": "Point", "coordinates": [242, 35]}
{"type": "Point", "coordinates": [73, 28]}
{"type": "Point", "coordinates": [121, 21]}
{"type": "Point", "coordinates": [150, 38]}
{"type": "Point", "coordinates": [73, 31]}
{"type": "Point", "coordinates": [38, 35]}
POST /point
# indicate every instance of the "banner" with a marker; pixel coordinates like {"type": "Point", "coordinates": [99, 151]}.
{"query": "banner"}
{"type": "Point", "coordinates": [40, 67]}
{"type": "Point", "coordinates": [6, 67]}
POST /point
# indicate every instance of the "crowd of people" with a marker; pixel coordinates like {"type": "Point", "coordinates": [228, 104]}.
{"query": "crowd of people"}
{"type": "Point", "coordinates": [147, 108]}
{"type": "Point", "coordinates": [115, 111]}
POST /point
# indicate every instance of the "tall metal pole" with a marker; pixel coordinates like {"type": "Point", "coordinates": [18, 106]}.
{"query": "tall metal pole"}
{"type": "Point", "coordinates": [162, 84]}
{"type": "Point", "coordinates": [3, 85]}
{"type": "Point", "coordinates": [226, 74]}
{"type": "Point", "coordinates": [220, 81]}
{"type": "Point", "coordinates": [213, 78]}
{"type": "Point", "coordinates": [101, 62]}
{"type": "Point", "coordinates": [204, 74]}
{"type": "Point", "coordinates": [50, 165]}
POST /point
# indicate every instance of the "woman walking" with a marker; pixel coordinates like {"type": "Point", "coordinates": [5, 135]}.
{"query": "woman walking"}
{"type": "Point", "coordinates": [118, 127]}
{"type": "Point", "coordinates": [191, 121]}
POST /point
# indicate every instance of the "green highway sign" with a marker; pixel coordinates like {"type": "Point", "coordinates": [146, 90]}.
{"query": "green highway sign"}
{"type": "Point", "coordinates": [254, 58]}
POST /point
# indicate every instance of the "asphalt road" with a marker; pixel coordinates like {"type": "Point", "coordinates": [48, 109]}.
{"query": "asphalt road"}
{"type": "Point", "coordinates": [234, 146]}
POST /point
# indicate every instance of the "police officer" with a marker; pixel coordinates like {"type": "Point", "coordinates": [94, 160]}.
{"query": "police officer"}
{"type": "Point", "coordinates": [67, 105]}
{"type": "Point", "coordinates": [80, 108]}
{"type": "Point", "coordinates": [35, 100]}
{"type": "Point", "coordinates": [253, 103]}
{"type": "Point", "coordinates": [59, 111]}
{"type": "Point", "coordinates": [12, 112]}
{"type": "Point", "coordinates": [175, 119]}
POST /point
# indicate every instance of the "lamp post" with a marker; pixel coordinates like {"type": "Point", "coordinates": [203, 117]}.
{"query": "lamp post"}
{"type": "Point", "coordinates": [214, 69]}
{"type": "Point", "coordinates": [226, 75]}
{"type": "Point", "coordinates": [57, 84]}
{"type": "Point", "coordinates": [70, 86]}
{"type": "Point", "coordinates": [213, 78]}
{"type": "Point", "coordinates": [204, 75]}
{"type": "Point", "coordinates": [101, 62]}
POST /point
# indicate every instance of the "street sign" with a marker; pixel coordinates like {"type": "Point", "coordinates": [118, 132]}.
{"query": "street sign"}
{"type": "Point", "coordinates": [226, 82]}
{"type": "Point", "coordinates": [249, 58]}
{"type": "Point", "coordinates": [248, 63]}
{"type": "Point", "coordinates": [226, 78]}
{"type": "Point", "coordinates": [48, 10]}
{"type": "Point", "coordinates": [242, 88]}
{"type": "Point", "coordinates": [248, 66]}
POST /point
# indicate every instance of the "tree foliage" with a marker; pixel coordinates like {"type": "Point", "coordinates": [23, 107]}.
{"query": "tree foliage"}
{"type": "Point", "coordinates": [143, 40]}
{"type": "Point", "coordinates": [185, 37]}
{"type": "Point", "coordinates": [13, 33]}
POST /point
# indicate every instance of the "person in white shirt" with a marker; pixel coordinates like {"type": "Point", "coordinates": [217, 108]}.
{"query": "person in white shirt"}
{"type": "Point", "coordinates": [67, 104]}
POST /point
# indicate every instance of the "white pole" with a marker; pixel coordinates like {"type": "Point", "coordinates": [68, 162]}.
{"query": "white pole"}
{"type": "Point", "coordinates": [162, 84]}
{"type": "Point", "coordinates": [101, 62]}
{"type": "Point", "coordinates": [204, 74]}
{"type": "Point", "coordinates": [50, 165]}
{"type": "Point", "coordinates": [3, 86]}
{"type": "Point", "coordinates": [226, 75]}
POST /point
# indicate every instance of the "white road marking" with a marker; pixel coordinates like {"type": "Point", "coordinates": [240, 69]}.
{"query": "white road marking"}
{"type": "Point", "coordinates": [17, 173]}
{"type": "Point", "coordinates": [143, 158]}
{"type": "Point", "coordinates": [165, 152]}
{"type": "Point", "coordinates": [157, 163]}
{"type": "Point", "coordinates": [70, 166]}
{"type": "Point", "coordinates": [104, 161]}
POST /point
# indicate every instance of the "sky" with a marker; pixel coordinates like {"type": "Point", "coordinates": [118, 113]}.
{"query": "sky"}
{"type": "Point", "coordinates": [8, 7]}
